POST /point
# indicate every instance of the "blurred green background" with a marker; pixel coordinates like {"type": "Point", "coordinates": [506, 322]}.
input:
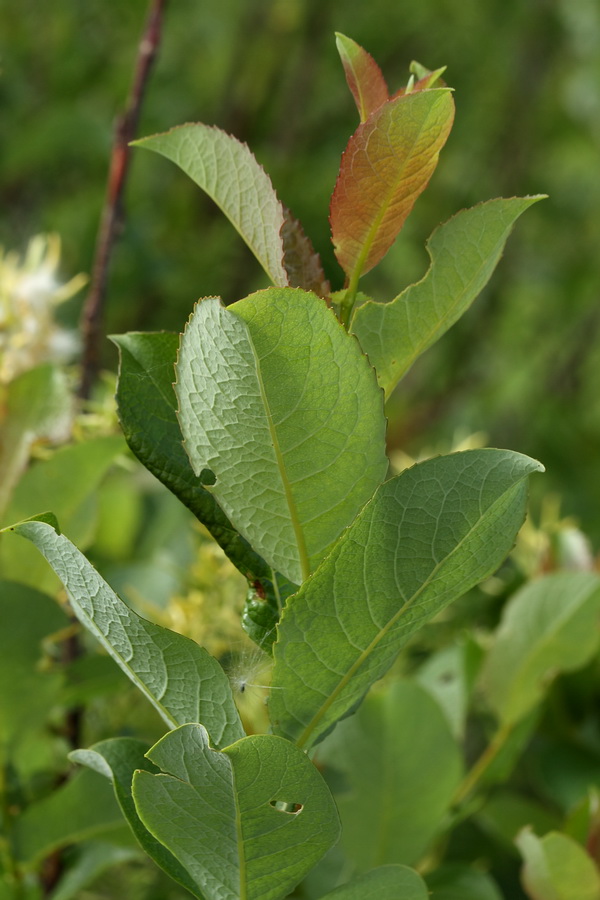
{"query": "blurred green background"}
{"type": "Point", "coordinates": [523, 365]}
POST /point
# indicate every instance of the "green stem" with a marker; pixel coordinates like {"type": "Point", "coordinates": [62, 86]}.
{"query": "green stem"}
{"type": "Point", "coordinates": [472, 779]}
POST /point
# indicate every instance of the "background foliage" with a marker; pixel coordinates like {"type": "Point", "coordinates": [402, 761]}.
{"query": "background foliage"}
{"type": "Point", "coordinates": [522, 366]}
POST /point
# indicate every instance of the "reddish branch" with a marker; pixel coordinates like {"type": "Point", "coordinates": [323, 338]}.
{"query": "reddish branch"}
{"type": "Point", "coordinates": [112, 213]}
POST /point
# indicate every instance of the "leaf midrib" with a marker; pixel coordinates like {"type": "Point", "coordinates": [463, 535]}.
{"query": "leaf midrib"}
{"type": "Point", "coordinates": [366, 653]}
{"type": "Point", "coordinates": [289, 497]}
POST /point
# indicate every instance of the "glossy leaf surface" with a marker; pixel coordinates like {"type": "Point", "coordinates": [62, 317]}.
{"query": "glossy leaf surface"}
{"type": "Point", "coordinates": [388, 162]}
{"type": "Point", "coordinates": [399, 766]}
{"type": "Point", "coordinates": [217, 812]}
{"type": "Point", "coordinates": [383, 883]}
{"type": "Point", "coordinates": [181, 680]}
{"type": "Point", "coordinates": [228, 172]}
{"type": "Point", "coordinates": [426, 537]}
{"type": "Point", "coordinates": [279, 403]}
{"type": "Point", "coordinates": [363, 75]}
{"type": "Point", "coordinates": [464, 253]}
{"type": "Point", "coordinates": [549, 626]}
{"type": "Point", "coordinates": [557, 868]}
{"type": "Point", "coordinates": [117, 759]}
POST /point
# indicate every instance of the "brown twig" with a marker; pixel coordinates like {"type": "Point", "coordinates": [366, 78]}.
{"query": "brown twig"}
{"type": "Point", "coordinates": [112, 213]}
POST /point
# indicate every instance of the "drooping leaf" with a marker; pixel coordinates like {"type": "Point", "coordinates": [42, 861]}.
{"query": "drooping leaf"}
{"type": "Point", "coordinates": [557, 868]}
{"type": "Point", "coordinates": [388, 162]}
{"type": "Point", "coordinates": [147, 411]}
{"type": "Point", "coordinates": [549, 626]}
{"type": "Point", "coordinates": [302, 263]}
{"type": "Point", "coordinates": [249, 821]}
{"type": "Point", "coordinates": [363, 75]}
{"type": "Point", "coordinates": [426, 537]}
{"type": "Point", "coordinates": [399, 767]}
{"type": "Point", "coordinates": [181, 680]}
{"type": "Point", "coordinates": [117, 759]}
{"type": "Point", "coordinates": [228, 172]}
{"type": "Point", "coordinates": [36, 404]}
{"type": "Point", "coordinates": [65, 483]}
{"type": "Point", "coordinates": [84, 807]}
{"type": "Point", "coordinates": [384, 883]}
{"type": "Point", "coordinates": [464, 252]}
{"type": "Point", "coordinates": [458, 882]}
{"type": "Point", "coordinates": [279, 403]}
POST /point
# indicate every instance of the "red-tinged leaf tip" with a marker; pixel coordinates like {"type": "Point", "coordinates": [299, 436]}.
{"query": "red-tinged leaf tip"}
{"type": "Point", "coordinates": [387, 164]}
{"type": "Point", "coordinates": [363, 75]}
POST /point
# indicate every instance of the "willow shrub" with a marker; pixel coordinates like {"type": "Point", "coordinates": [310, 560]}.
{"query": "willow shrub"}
{"type": "Point", "coordinates": [266, 419]}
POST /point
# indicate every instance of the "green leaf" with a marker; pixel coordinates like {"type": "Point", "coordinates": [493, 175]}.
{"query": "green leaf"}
{"type": "Point", "coordinates": [147, 411]}
{"type": "Point", "coordinates": [399, 766]}
{"type": "Point", "coordinates": [82, 808]}
{"type": "Point", "coordinates": [426, 537]}
{"type": "Point", "coordinates": [91, 860]}
{"type": "Point", "coordinates": [181, 680]}
{"type": "Point", "coordinates": [63, 483]}
{"type": "Point", "coordinates": [456, 882]}
{"type": "Point", "coordinates": [549, 626]}
{"type": "Point", "coordinates": [363, 75]}
{"type": "Point", "coordinates": [279, 403]}
{"type": "Point", "coordinates": [27, 617]}
{"type": "Point", "coordinates": [504, 812]}
{"type": "Point", "coordinates": [557, 868]}
{"type": "Point", "coordinates": [228, 172]}
{"type": "Point", "coordinates": [37, 404]}
{"type": "Point", "coordinates": [222, 814]}
{"type": "Point", "coordinates": [117, 759]}
{"type": "Point", "coordinates": [383, 883]}
{"type": "Point", "coordinates": [464, 252]}
{"type": "Point", "coordinates": [388, 162]}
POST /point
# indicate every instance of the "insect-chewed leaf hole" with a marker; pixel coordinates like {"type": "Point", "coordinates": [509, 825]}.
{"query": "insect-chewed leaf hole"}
{"type": "Point", "coordinates": [282, 806]}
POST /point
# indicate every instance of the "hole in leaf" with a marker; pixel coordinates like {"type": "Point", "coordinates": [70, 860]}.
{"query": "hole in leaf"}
{"type": "Point", "coordinates": [207, 477]}
{"type": "Point", "coordinates": [290, 808]}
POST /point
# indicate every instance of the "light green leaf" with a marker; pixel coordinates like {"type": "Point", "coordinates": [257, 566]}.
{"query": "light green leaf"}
{"type": "Point", "coordinates": [549, 626]}
{"type": "Point", "coordinates": [278, 401]}
{"type": "Point", "coordinates": [147, 412]}
{"type": "Point", "coordinates": [399, 766]}
{"type": "Point", "coordinates": [117, 759]}
{"type": "Point", "coordinates": [464, 252]}
{"type": "Point", "coordinates": [222, 814]}
{"type": "Point", "coordinates": [457, 882]}
{"type": "Point", "coordinates": [557, 868]}
{"type": "Point", "coordinates": [426, 538]}
{"type": "Point", "coordinates": [383, 883]}
{"type": "Point", "coordinates": [181, 680]}
{"type": "Point", "coordinates": [82, 808]}
{"type": "Point", "coordinates": [64, 483]}
{"type": "Point", "coordinates": [228, 172]}
{"type": "Point", "coordinates": [37, 404]}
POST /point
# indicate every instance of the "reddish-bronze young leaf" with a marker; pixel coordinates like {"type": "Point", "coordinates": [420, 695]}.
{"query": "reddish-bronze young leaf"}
{"type": "Point", "coordinates": [388, 162]}
{"type": "Point", "coordinates": [363, 75]}
{"type": "Point", "coordinates": [300, 260]}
